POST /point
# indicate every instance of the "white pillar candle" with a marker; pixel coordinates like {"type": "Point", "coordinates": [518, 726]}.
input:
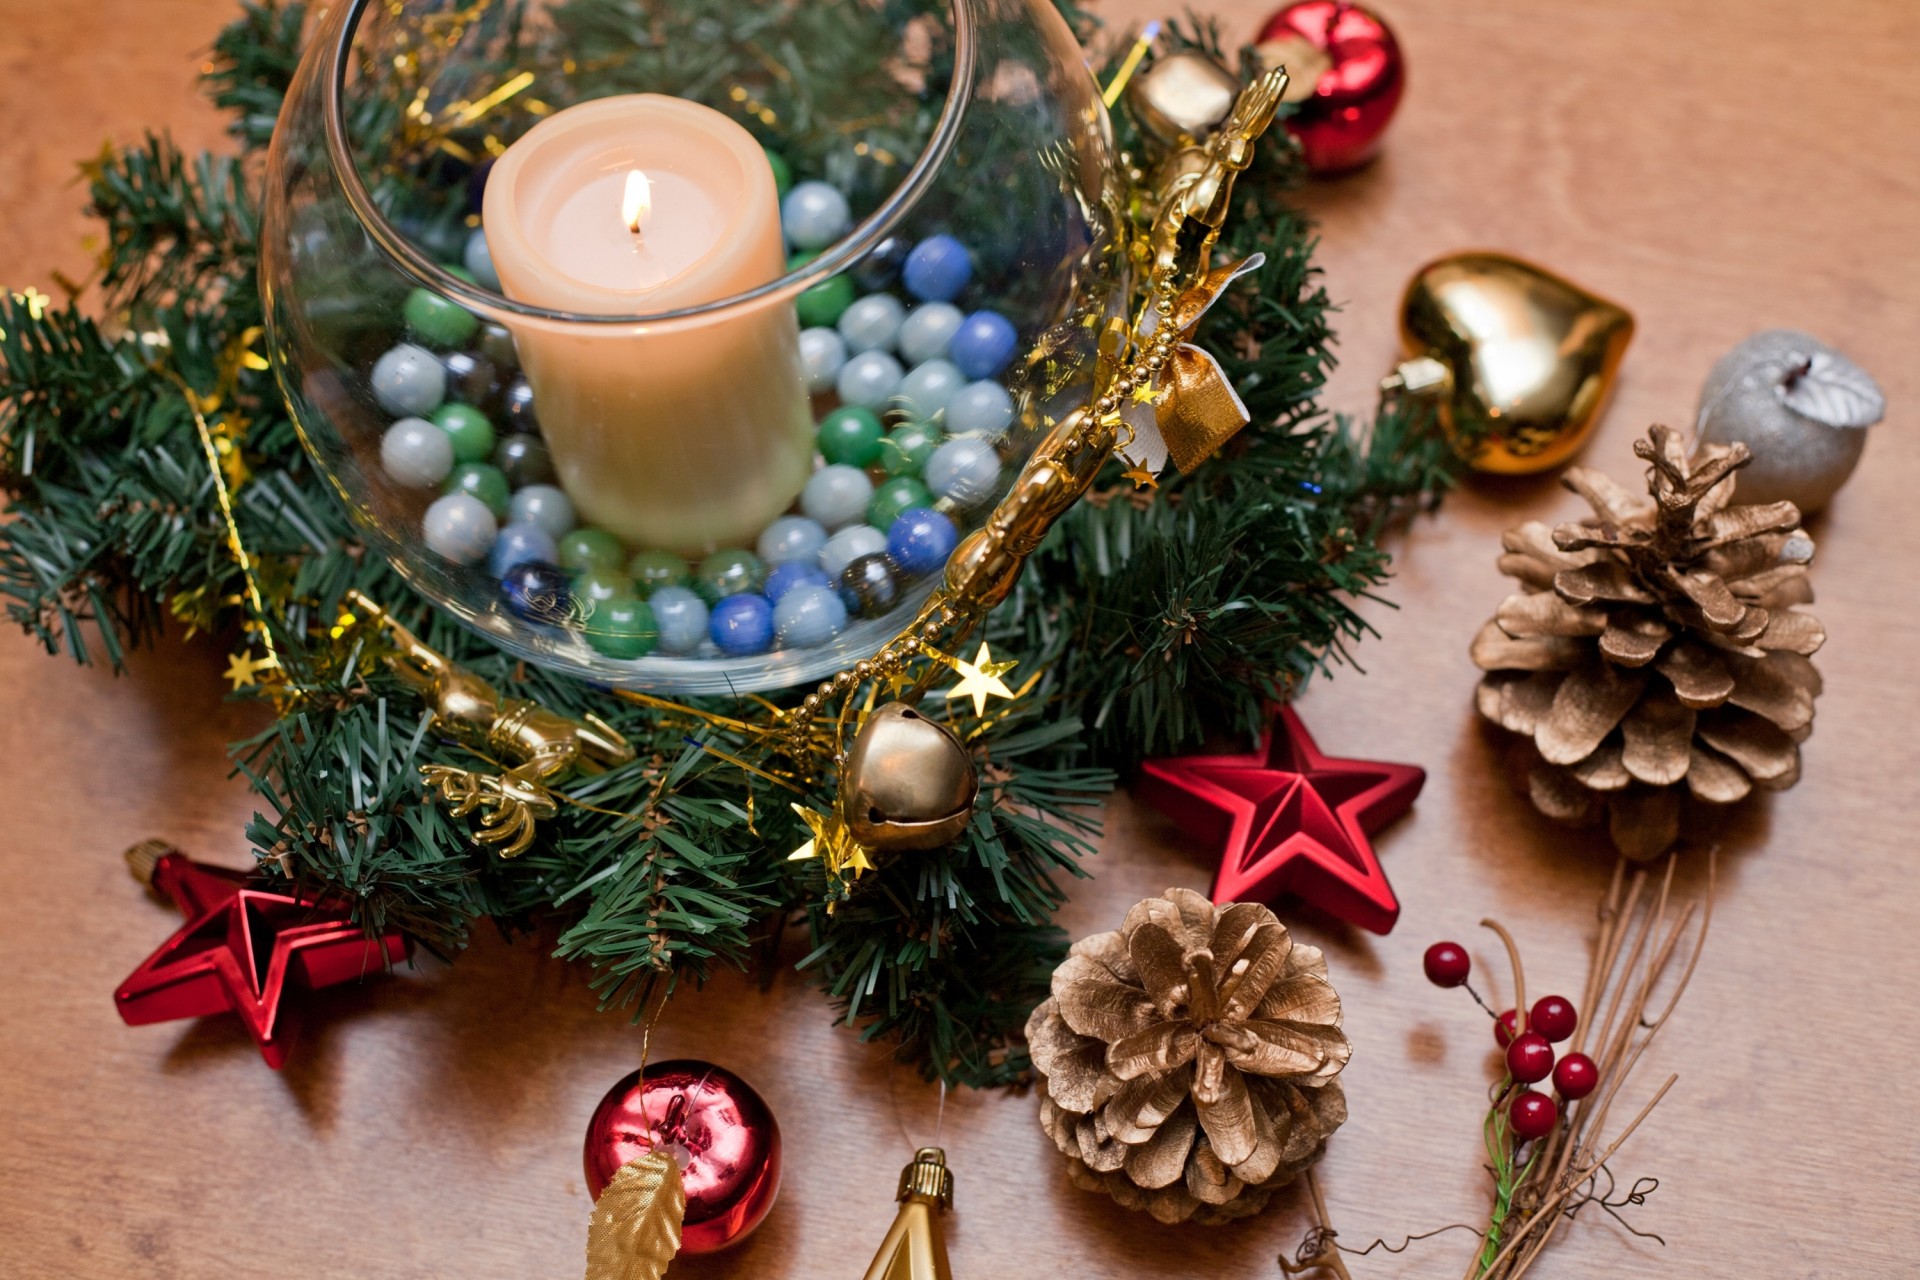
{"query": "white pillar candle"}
{"type": "Point", "coordinates": [686, 433]}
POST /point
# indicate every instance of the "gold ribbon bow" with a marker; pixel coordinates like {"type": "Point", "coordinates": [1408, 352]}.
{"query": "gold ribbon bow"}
{"type": "Point", "coordinates": [1196, 409]}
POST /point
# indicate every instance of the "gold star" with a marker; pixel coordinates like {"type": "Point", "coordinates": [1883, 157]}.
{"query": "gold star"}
{"type": "Point", "coordinates": [837, 850]}
{"type": "Point", "coordinates": [35, 302]}
{"type": "Point", "coordinates": [1145, 394]}
{"type": "Point", "coordinates": [980, 679]}
{"type": "Point", "coordinates": [1141, 477]}
{"type": "Point", "coordinates": [244, 669]}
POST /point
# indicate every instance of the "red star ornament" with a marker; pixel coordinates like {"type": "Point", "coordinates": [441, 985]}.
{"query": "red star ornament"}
{"type": "Point", "coordinates": [1294, 821]}
{"type": "Point", "coordinates": [242, 950]}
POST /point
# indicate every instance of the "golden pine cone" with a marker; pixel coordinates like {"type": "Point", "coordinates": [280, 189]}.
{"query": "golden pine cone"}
{"type": "Point", "coordinates": [1655, 650]}
{"type": "Point", "coordinates": [1187, 1061]}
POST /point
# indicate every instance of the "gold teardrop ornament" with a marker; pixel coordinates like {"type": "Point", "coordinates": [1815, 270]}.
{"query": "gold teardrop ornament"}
{"type": "Point", "coordinates": [916, 1247]}
{"type": "Point", "coordinates": [1517, 360]}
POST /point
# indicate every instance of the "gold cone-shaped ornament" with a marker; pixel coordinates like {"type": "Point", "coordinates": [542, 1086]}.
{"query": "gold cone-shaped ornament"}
{"type": "Point", "coordinates": [916, 1246]}
{"type": "Point", "coordinates": [1517, 360]}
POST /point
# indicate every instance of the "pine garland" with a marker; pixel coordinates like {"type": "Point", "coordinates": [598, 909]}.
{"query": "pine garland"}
{"type": "Point", "coordinates": [1156, 618]}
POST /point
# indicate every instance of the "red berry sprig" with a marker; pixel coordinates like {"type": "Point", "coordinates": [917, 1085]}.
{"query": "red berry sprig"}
{"type": "Point", "coordinates": [1447, 964]}
{"type": "Point", "coordinates": [1530, 1058]}
{"type": "Point", "coordinates": [1575, 1076]}
{"type": "Point", "coordinates": [1532, 1115]}
{"type": "Point", "coordinates": [1553, 1017]}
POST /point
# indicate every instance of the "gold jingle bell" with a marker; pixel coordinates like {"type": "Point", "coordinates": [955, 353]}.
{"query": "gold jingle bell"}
{"type": "Point", "coordinates": [908, 782]}
{"type": "Point", "coordinates": [1181, 97]}
{"type": "Point", "coordinates": [1517, 359]}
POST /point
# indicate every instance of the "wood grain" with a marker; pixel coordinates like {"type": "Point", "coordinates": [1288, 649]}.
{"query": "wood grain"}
{"type": "Point", "coordinates": [1718, 166]}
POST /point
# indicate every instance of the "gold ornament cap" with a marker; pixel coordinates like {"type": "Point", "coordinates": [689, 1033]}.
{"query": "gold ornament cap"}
{"type": "Point", "coordinates": [1182, 97]}
{"type": "Point", "coordinates": [927, 1178]}
{"type": "Point", "coordinates": [908, 782]}
{"type": "Point", "coordinates": [143, 858]}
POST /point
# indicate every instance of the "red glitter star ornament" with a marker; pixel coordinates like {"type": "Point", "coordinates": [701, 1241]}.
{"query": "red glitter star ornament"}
{"type": "Point", "coordinates": [1294, 821]}
{"type": "Point", "coordinates": [242, 949]}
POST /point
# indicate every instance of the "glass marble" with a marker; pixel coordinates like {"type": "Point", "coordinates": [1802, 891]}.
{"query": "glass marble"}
{"type": "Point", "coordinates": [836, 495]}
{"type": "Point", "coordinates": [920, 540]}
{"type": "Point", "coordinates": [681, 617]}
{"type": "Point", "coordinates": [783, 578]}
{"type": "Point", "coordinates": [983, 345]}
{"type": "Point", "coordinates": [927, 332]}
{"type": "Point", "coordinates": [518, 543]}
{"type": "Point", "coordinates": [459, 527]}
{"type": "Point", "coordinates": [544, 505]}
{"type": "Point", "coordinates": [808, 615]}
{"type": "Point", "coordinates": [481, 480]}
{"type": "Point", "coordinates": [728, 573]}
{"type": "Point", "coordinates": [622, 628]}
{"type": "Point", "coordinates": [893, 497]}
{"type": "Point", "coordinates": [742, 624]}
{"type": "Point", "coordinates": [822, 352]}
{"type": "Point", "coordinates": [478, 259]}
{"type": "Point", "coordinates": [868, 586]}
{"type": "Point", "coordinates": [880, 269]}
{"type": "Point", "coordinates": [849, 545]}
{"type": "Point", "coordinates": [468, 429]}
{"type": "Point", "coordinates": [653, 571]}
{"type": "Point", "coordinates": [782, 171]}
{"type": "Point", "coordinates": [823, 304]}
{"type": "Point", "coordinates": [868, 379]}
{"type": "Point", "coordinates": [791, 538]}
{"type": "Point", "coordinates": [908, 446]}
{"type": "Point", "coordinates": [409, 380]}
{"type": "Point", "coordinates": [538, 591]}
{"type": "Point", "coordinates": [926, 389]}
{"type": "Point", "coordinates": [980, 409]}
{"type": "Point", "coordinates": [814, 215]}
{"type": "Point", "coordinates": [872, 323]}
{"type": "Point", "coordinates": [851, 435]}
{"type": "Point", "coordinates": [584, 550]}
{"type": "Point", "coordinates": [937, 269]}
{"type": "Point", "coordinates": [415, 453]}
{"type": "Point", "coordinates": [474, 378]}
{"type": "Point", "coordinates": [523, 459]}
{"type": "Point", "coordinates": [596, 587]}
{"type": "Point", "coordinates": [437, 320]}
{"type": "Point", "coordinates": [965, 470]}
{"type": "Point", "coordinates": [519, 407]}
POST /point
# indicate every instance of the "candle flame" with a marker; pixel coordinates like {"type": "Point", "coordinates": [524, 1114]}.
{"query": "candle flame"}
{"type": "Point", "coordinates": [637, 201]}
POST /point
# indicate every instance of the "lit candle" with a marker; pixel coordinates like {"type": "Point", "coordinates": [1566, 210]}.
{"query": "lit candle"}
{"type": "Point", "coordinates": [692, 433]}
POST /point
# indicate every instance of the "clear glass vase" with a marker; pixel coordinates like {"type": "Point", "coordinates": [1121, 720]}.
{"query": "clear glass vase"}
{"type": "Point", "coordinates": [714, 427]}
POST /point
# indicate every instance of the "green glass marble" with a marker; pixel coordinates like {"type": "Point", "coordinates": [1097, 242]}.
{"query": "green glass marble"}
{"type": "Point", "coordinates": [651, 570]}
{"type": "Point", "coordinates": [852, 435]}
{"type": "Point", "coordinates": [729, 573]}
{"type": "Point", "coordinates": [597, 587]}
{"type": "Point", "coordinates": [468, 428]}
{"type": "Point", "coordinates": [891, 497]}
{"type": "Point", "coordinates": [782, 172]}
{"type": "Point", "coordinates": [622, 629]}
{"type": "Point", "coordinates": [585, 550]}
{"type": "Point", "coordinates": [908, 446]}
{"type": "Point", "coordinates": [820, 306]}
{"type": "Point", "coordinates": [484, 481]}
{"type": "Point", "coordinates": [438, 322]}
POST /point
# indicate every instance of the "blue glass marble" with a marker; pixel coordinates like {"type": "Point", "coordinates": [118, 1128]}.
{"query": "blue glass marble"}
{"type": "Point", "coordinates": [980, 409]}
{"type": "Point", "coordinates": [460, 527]}
{"type": "Point", "coordinates": [785, 577]}
{"type": "Point", "coordinates": [416, 453]}
{"type": "Point", "coordinates": [822, 352]}
{"type": "Point", "coordinates": [681, 616]}
{"type": "Point", "coordinates": [848, 545]}
{"type": "Point", "coordinates": [837, 495]}
{"type": "Point", "coordinates": [927, 388]}
{"type": "Point", "coordinates": [518, 543]}
{"type": "Point", "coordinates": [928, 331]}
{"type": "Point", "coordinates": [920, 541]}
{"type": "Point", "coordinates": [868, 379]}
{"type": "Point", "coordinates": [409, 381]}
{"type": "Point", "coordinates": [479, 260]}
{"type": "Point", "coordinates": [937, 269]}
{"type": "Point", "coordinates": [544, 505]}
{"type": "Point", "coordinates": [742, 625]}
{"type": "Point", "coordinates": [791, 538]}
{"type": "Point", "coordinates": [809, 615]}
{"type": "Point", "coordinates": [814, 215]}
{"type": "Point", "coordinates": [872, 323]}
{"type": "Point", "coordinates": [538, 591]}
{"type": "Point", "coordinates": [983, 345]}
{"type": "Point", "coordinates": [964, 470]}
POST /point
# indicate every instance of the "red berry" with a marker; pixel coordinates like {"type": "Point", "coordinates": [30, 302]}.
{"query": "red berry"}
{"type": "Point", "coordinates": [1532, 1114]}
{"type": "Point", "coordinates": [1553, 1017]}
{"type": "Point", "coordinates": [1504, 1026]}
{"type": "Point", "coordinates": [1447, 964]}
{"type": "Point", "coordinates": [1575, 1076]}
{"type": "Point", "coordinates": [1530, 1057]}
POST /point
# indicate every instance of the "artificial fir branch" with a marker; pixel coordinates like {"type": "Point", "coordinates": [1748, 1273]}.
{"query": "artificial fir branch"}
{"type": "Point", "coordinates": [1153, 618]}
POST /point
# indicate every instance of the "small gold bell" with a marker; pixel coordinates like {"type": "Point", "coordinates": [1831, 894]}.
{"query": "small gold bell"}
{"type": "Point", "coordinates": [908, 782]}
{"type": "Point", "coordinates": [1517, 359]}
{"type": "Point", "coordinates": [1181, 97]}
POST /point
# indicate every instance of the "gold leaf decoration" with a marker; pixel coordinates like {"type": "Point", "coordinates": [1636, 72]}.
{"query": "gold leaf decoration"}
{"type": "Point", "coordinates": [635, 1231]}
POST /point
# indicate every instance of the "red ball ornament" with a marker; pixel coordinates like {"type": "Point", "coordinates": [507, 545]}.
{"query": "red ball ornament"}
{"type": "Point", "coordinates": [1553, 1017]}
{"type": "Point", "coordinates": [1504, 1026]}
{"type": "Point", "coordinates": [1447, 964]}
{"type": "Point", "coordinates": [1575, 1076]}
{"type": "Point", "coordinates": [720, 1131]}
{"type": "Point", "coordinates": [1532, 1115]}
{"type": "Point", "coordinates": [1348, 75]}
{"type": "Point", "coordinates": [1530, 1057]}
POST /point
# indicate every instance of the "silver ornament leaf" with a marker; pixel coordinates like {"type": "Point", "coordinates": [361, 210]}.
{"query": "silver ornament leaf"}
{"type": "Point", "coordinates": [1832, 390]}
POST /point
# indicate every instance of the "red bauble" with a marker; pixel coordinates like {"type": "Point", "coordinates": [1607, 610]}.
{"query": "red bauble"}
{"type": "Point", "coordinates": [1504, 1026]}
{"type": "Point", "coordinates": [1553, 1017]}
{"type": "Point", "coordinates": [722, 1133]}
{"type": "Point", "coordinates": [243, 949]}
{"type": "Point", "coordinates": [1530, 1057]}
{"type": "Point", "coordinates": [1295, 821]}
{"type": "Point", "coordinates": [1447, 964]}
{"type": "Point", "coordinates": [1575, 1076]}
{"type": "Point", "coordinates": [1532, 1115]}
{"type": "Point", "coordinates": [1340, 124]}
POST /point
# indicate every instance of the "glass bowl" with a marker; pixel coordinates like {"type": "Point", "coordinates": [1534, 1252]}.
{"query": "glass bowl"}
{"type": "Point", "coordinates": [677, 352]}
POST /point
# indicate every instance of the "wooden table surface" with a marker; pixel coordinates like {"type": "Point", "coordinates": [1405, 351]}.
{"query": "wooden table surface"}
{"type": "Point", "coordinates": [1719, 166]}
